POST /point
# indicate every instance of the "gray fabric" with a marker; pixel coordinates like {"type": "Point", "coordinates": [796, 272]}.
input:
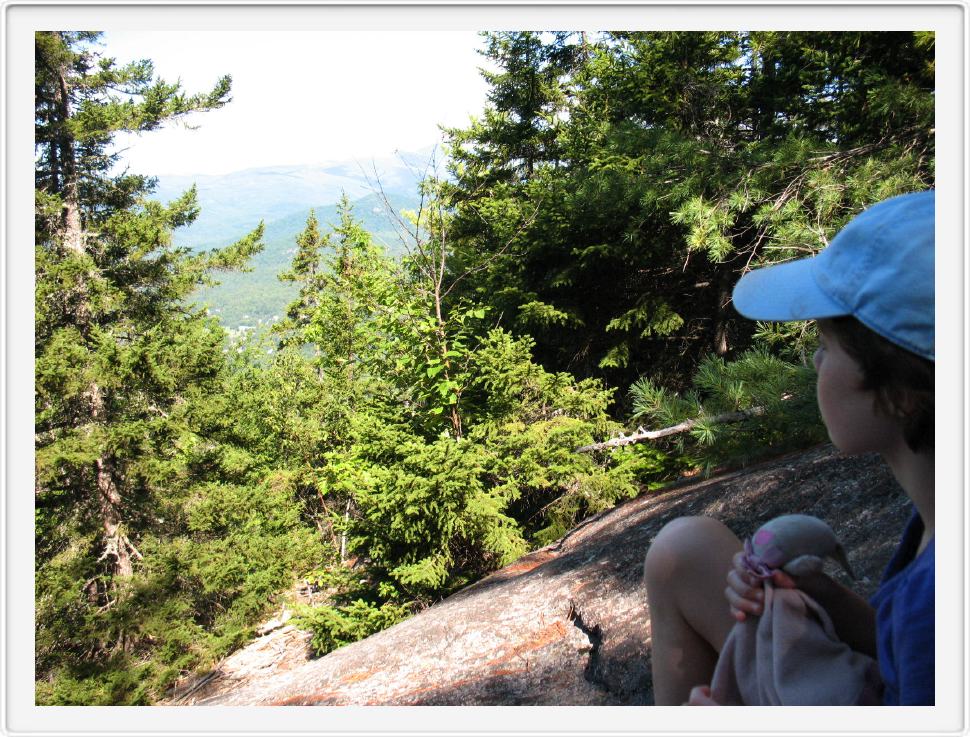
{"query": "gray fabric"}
{"type": "Point", "coordinates": [790, 656]}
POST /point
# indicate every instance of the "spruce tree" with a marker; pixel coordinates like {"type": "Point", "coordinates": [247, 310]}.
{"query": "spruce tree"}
{"type": "Point", "coordinates": [661, 166]}
{"type": "Point", "coordinates": [122, 356]}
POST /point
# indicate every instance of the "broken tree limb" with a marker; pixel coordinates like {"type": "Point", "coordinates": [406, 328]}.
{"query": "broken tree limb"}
{"type": "Point", "coordinates": [642, 435]}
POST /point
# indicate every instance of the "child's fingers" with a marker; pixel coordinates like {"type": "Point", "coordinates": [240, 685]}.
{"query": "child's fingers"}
{"type": "Point", "coordinates": [744, 592]}
{"type": "Point", "coordinates": [745, 585]}
{"type": "Point", "coordinates": [747, 602]}
{"type": "Point", "coordinates": [741, 579]}
{"type": "Point", "coordinates": [738, 561]}
{"type": "Point", "coordinates": [783, 581]}
{"type": "Point", "coordinates": [701, 696]}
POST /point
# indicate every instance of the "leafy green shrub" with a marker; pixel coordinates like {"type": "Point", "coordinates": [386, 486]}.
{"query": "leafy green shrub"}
{"type": "Point", "coordinates": [434, 514]}
{"type": "Point", "coordinates": [334, 626]}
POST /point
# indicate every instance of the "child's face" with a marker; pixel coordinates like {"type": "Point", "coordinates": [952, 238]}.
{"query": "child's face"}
{"type": "Point", "coordinates": [849, 412]}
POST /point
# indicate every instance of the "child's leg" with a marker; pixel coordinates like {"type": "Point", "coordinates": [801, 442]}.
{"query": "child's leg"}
{"type": "Point", "coordinates": [686, 573]}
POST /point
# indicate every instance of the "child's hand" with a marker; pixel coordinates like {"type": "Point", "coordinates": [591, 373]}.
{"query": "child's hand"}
{"type": "Point", "coordinates": [746, 593]}
{"type": "Point", "coordinates": [701, 696]}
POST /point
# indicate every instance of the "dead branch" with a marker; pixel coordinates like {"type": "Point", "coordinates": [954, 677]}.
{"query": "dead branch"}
{"type": "Point", "coordinates": [202, 680]}
{"type": "Point", "coordinates": [642, 435]}
{"type": "Point", "coordinates": [522, 226]}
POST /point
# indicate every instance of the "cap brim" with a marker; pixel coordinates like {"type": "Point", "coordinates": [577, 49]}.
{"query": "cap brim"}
{"type": "Point", "coordinates": [783, 292]}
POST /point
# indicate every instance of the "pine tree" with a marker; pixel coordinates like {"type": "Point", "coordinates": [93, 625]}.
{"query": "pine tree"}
{"type": "Point", "coordinates": [346, 280]}
{"type": "Point", "coordinates": [304, 270]}
{"type": "Point", "coordinates": [672, 162]}
{"type": "Point", "coordinates": [121, 356]}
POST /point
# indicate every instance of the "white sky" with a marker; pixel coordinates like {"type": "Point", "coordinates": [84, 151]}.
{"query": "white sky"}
{"type": "Point", "coordinates": [304, 97]}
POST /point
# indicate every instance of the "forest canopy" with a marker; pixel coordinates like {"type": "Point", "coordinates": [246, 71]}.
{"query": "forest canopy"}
{"type": "Point", "coordinates": [412, 423]}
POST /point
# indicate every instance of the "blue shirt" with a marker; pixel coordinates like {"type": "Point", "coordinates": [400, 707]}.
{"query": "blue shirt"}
{"type": "Point", "coordinates": [905, 607]}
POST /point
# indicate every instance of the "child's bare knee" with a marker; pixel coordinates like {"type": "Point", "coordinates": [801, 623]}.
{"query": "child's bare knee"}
{"type": "Point", "coordinates": [681, 545]}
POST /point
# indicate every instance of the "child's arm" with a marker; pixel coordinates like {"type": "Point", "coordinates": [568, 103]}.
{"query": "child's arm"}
{"type": "Point", "coordinates": [852, 616]}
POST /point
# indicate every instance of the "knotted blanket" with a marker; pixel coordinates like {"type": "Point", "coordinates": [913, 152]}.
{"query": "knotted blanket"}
{"type": "Point", "coordinates": [790, 655]}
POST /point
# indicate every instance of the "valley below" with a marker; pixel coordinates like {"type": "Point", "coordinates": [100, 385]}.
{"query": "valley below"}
{"type": "Point", "coordinates": [282, 197]}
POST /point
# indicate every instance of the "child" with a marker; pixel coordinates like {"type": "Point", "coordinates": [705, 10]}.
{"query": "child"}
{"type": "Point", "coordinates": [872, 292]}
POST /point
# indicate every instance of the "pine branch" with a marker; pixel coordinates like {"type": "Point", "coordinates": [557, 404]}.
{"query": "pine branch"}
{"type": "Point", "coordinates": [642, 435]}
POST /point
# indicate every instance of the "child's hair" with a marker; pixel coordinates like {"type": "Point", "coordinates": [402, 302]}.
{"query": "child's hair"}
{"type": "Point", "coordinates": [904, 383]}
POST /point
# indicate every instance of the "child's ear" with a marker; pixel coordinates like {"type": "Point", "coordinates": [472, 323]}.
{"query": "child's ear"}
{"type": "Point", "coordinates": [900, 406]}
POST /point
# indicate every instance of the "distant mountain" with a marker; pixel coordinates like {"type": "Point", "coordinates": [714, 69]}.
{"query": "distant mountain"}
{"type": "Point", "coordinates": [233, 204]}
{"type": "Point", "coordinates": [258, 297]}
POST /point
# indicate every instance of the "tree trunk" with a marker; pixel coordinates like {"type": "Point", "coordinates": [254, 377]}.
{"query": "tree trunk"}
{"type": "Point", "coordinates": [64, 180]}
{"type": "Point", "coordinates": [454, 415]}
{"type": "Point", "coordinates": [64, 177]}
{"type": "Point", "coordinates": [343, 534]}
{"type": "Point", "coordinates": [116, 545]}
{"type": "Point", "coordinates": [723, 313]}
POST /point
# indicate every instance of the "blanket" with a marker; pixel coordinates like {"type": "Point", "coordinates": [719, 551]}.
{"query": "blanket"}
{"type": "Point", "coordinates": [790, 655]}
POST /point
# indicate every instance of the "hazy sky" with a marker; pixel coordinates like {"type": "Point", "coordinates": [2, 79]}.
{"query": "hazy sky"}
{"type": "Point", "coordinates": [304, 97]}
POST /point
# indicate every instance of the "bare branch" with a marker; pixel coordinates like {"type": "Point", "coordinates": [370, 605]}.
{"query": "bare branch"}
{"type": "Point", "coordinates": [484, 265]}
{"type": "Point", "coordinates": [642, 435]}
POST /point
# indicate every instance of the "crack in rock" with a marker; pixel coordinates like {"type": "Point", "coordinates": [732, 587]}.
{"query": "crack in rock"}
{"type": "Point", "coordinates": [594, 636]}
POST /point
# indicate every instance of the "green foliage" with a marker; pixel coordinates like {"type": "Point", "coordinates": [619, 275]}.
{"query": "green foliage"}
{"type": "Point", "coordinates": [618, 184]}
{"type": "Point", "coordinates": [539, 314]}
{"type": "Point", "coordinates": [422, 510]}
{"type": "Point", "coordinates": [777, 399]}
{"type": "Point", "coordinates": [348, 285]}
{"type": "Point", "coordinates": [438, 512]}
{"type": "Point", "coordinates": [354, 608]}
{"type": "Point", "coordinates": [334, 626]}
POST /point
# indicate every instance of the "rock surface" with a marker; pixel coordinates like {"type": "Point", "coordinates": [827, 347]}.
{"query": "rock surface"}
{"type": "Point", "coordinates": [567, 624]}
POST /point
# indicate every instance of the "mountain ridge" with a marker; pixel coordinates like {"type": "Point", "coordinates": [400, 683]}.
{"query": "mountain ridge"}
{"type": "Point", "coordinates": [281, 196]}
{"type": "Point", "coordinates": [232, 204]}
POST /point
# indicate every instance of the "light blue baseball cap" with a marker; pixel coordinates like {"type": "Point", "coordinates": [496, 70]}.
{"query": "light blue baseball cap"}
{"type": "Point", "coordinates": [879, 269]}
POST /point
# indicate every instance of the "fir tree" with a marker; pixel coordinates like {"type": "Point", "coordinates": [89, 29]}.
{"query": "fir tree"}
{"type": "Point", "coordinates": [121, 357]}
{"type": "Point", "coordinates": [661, 165]}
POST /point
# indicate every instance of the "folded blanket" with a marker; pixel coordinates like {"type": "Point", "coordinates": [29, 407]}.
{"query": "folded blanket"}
{"type": "Point", "coordinates": [790, 655]}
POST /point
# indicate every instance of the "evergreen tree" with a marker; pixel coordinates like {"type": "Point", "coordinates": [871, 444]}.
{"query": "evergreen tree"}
{"type": "Point", "coordinates": [519, 130]}
{"type": "Point", "coordinates": [347, 287]}
{"type": "Point", "coordinates": [676, 160]}
{"type": "Point", "coordinates": [121, 362]}
{"type": "Point", "coordinates": [446, 450]}
{"type": "Point", "coordinates": [304, 270]}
